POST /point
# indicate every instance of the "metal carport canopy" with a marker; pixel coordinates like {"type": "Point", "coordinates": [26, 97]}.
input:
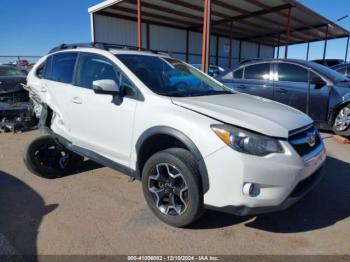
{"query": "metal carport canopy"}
{"type": "Point", "coordinates": [267, 22]}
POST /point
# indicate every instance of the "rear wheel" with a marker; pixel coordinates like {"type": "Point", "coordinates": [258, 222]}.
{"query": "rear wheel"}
{"type": "Point", "coordinates": [46, 158]}
{"type": "Point", "coordinates": [342, 122]}
{"type": "Point", "coordinates": [172, 187]}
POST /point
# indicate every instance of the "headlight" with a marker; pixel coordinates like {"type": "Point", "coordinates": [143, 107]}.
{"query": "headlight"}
{"type": "Point", "coordinates": [247, 142]}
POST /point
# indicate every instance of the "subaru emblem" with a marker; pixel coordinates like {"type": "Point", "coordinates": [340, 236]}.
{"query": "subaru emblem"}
{"type": "Point", "coordinates": [311, 139]}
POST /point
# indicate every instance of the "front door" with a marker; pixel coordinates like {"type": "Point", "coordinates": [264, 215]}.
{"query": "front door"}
{"type": "Point", "coordinates": [97, 122]}
{"type": "Point", "coordinates": [319, 96]}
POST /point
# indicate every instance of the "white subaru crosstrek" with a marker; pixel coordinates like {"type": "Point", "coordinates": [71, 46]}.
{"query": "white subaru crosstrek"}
{"type": "Point", "coordinates": [192, 142]}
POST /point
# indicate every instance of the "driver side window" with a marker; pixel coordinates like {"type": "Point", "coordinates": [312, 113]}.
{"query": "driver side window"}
{"type": "Point", "coordinates": [94, 67]}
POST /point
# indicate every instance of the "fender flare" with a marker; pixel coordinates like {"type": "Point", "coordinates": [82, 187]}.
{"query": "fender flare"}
{"type": "Point", "coordinates": [165, 130]}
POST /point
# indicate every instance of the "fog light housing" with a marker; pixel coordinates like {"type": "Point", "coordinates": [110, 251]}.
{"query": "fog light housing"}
{"type": "Point", "coordinates": [248, 189]}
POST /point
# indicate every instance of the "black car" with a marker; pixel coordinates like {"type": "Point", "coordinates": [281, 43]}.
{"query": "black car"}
{"type": "Point", "coordinates": [328, 62]}
{"type": "Point", "coordinates": [320, 92]}
{"type": "Point", "coordinates": [343, 69]}
{"type": "Point", "coordinates": [16, 110]}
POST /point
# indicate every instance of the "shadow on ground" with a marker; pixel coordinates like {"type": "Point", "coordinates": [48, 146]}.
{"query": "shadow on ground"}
{"type": "Point", "coordinates": [327, 204]}
{"type": "Point", "coordinates": [21, 212]}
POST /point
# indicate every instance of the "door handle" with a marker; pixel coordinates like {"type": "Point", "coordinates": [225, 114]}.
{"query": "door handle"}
{"type": "Point", "coordinates": [77, 100]}
{"type": "Point", "coordinates": [282, 91]}
{"type": "Point", "coordinates": [241, 87]}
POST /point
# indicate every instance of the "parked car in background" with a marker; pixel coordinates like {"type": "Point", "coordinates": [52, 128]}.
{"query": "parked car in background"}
{"type": "Point", "coordinates": [192, 146]}
{"type": "Point", "coordinates": [328, 62]}
{"type": "Point", "coordinates": [213, 70]}
{"type": "Point", "coordinates": [343, 69]}
{"type": "Point", "coordinates": [322, 93]}
{"type": "Point", "coordinates": [16, 110]}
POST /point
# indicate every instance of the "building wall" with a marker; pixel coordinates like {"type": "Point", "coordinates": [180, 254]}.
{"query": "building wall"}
{"type": "Point", "coordinates": [172, 40]}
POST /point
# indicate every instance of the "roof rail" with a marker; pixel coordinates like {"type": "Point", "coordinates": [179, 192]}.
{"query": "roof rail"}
{"type": "Point", "coordinates": [250, 60]}
{"type": "Point", "coordinates": [105, 46]}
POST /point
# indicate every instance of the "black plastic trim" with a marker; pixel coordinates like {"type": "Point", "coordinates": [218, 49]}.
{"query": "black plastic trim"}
{"type": "Point", "coordinates": [165, 130]}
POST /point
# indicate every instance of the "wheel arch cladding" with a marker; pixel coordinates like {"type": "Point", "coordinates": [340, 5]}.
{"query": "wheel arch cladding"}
{"type": "Point", "coordinates": [167, 137]}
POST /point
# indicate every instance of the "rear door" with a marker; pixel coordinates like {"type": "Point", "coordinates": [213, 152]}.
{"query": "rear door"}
{"type": "Point", "coordinates": [57, 88]}
{"type": "Point", "coordinates": [256, 80]}
{"type": "Point", "coordinates": [259, 80]}
{"type": "Point", "coordinates": [291, 86]}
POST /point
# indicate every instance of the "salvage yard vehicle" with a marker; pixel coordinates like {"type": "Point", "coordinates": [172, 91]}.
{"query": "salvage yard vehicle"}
{"type": "Point", "coordinates": [343, 69]}
{"type": "Point", "coordinates": [328, 62]}
{"type": "Point", "coordinates": [16, 110]}
{"type": "Point", "coordinates": [314, 89]}
{"type": "Point", "coordinates": [193, 146]}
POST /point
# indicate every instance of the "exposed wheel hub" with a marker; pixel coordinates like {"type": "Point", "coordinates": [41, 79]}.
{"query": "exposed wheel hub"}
{"type": "Point", "coordinates": [342, 122]}
{"type": "Point", "coordinates": [169, 189]}
{"type": "Point", "coordinates": [52, 156]}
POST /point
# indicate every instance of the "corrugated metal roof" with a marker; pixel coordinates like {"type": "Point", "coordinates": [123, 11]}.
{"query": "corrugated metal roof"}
{"type": "Point", "coordinates": [262, 21]}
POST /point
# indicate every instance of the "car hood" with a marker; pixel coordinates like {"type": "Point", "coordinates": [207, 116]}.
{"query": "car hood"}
{"type": "Point", "coordinates": [246, 111]}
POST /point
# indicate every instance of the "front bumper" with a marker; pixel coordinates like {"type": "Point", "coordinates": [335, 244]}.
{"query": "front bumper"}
{"type": "Point", "coordinates": [299, 192]}
{"type": "Point", "coordinates": [279, 180]}
{"type": "Point", "coordinates": [16, 116]}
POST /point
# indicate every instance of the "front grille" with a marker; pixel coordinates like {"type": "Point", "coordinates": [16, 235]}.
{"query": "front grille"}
{"type": "Point", "coordinates": [302, 140]}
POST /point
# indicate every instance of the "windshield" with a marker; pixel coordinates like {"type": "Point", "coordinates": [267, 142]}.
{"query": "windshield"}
{"type": "Point", "coordinates": [7, 71]}
{"type": "Point", "coordinates": [171, 77]}
{"type": "Point", "coordinates": [330, 73]}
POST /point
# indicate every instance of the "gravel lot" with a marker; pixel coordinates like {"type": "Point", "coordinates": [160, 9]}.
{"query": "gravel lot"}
{"type": "Point", "coordinates": [97, 211]}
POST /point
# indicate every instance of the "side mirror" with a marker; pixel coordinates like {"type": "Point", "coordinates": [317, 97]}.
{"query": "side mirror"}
{"type": "Point", "coordinates": [318, 82]}
{"type": "Point", "coordinates": [106, 86]}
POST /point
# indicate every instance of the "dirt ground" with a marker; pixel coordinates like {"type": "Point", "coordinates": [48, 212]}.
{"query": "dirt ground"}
{"type": "Point", "coordinates": [97, 211]}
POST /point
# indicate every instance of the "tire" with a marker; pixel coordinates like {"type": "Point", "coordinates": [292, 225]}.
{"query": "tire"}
{"type": "Point", "coordinates": [344, 128]}
{"type": "Point", "coordinates": [46, 158]}
{"type": "Point", "coordinates": [163, 193]}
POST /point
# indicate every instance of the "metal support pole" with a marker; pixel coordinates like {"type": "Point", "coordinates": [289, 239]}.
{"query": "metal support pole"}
{"type": "Point", "coordinates": [259, 47]}
{"type": "Point", "coordinates": [187, 45]}
{"type": "Point", "coordinates": [288, 32]}
{"type": "Point", "coordinates": [139, 24]}
{"type": "Point", "coordinates": [240, 51]}
{"type": "Point", "coordinates": [148, 43]}
{"type": "Point", "coordinates": [278, 46]}
{"type": "Point", "coordinates": [217, 49]}
{"type": "Point", "coordinates": [346, 50]}
{"type": "Point", "coordinates": [325, 45]}
{"type": "Point", "coordinates": [206, 35]}
{"type": "Point", "coordinates": [230, 51]}
{"type": "Point", "coordinates": [307, 51]}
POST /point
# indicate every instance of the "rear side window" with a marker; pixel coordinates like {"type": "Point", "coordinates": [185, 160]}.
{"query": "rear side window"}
{"type": "Point", "coordinates": [257, 72]}
{"type": "Point", "coordinates": [40, 70]}
{"type": "Point", "coordinates": [62, 68]}
{"type": "Point", "coordinates": [342, 70]}
{"type": "Point", "coordinates": [238, 74]}
{"type": "Point", "coordinates": [292, 73]}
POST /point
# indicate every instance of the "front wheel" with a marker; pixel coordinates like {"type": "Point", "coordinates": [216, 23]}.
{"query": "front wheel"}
{"type": "Point", "coordinates": [342, 122]}
{"type": "Point", "coordinates": [46, 158]}
{"type": "Point", "coordinates": [172, 188]}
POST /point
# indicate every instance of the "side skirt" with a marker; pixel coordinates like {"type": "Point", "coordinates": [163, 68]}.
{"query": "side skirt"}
{"type": "Point", "coordinates": [94, 156]}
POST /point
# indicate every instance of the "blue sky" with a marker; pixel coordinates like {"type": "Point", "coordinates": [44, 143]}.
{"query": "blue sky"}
{"type": "Point", "coordinates": [32, 27]}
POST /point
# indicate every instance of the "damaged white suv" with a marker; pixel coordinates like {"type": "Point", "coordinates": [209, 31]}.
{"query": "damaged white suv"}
{"type": "Point", "coordinates": [192, 142]}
